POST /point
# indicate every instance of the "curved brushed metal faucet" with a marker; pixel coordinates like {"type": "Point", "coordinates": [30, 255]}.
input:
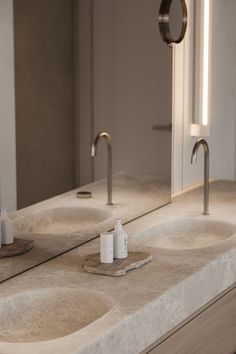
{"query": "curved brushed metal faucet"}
{"type": "Point", "coordinates": [108, 140]}
{"type": "Point", "coordinates": [205, 146]}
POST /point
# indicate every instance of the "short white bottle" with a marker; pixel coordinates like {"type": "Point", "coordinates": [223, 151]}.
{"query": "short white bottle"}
{"type": "Point", "coordinates": [7, 228]}
{"type": "Point", "coordinates": [106, 247]}
{"type": "Point", "coordinates": [120, 241]}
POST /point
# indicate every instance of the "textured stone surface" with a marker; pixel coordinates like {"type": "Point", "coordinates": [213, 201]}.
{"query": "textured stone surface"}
{"type": "Point", "coordinates": [119, 267]}
{"type": "Point", "coordinates": [45, 314]}
{"type": "Point", "coordinates": [62, 221]}
{"type": "Point", "coordinates": [80, 220]}
{"type": "Point", "coordinates": [186, 233]}
{"type": "Point", "coordinates": [148, 302]}
{"type": "Point", "coordinates": [17, 248]}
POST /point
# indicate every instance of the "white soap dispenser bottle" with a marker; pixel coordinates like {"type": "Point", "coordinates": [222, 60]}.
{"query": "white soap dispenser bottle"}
{"type": "Point", "coordinates": [120, 241]}
{"type": "Point", "coordinates": [7, 228]}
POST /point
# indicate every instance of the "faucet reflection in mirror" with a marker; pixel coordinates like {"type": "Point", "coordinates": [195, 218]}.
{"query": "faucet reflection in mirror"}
{"type": "Point", "coordinates": [203, 142]}
{"type": "Point", "coordinates": [108, 140]}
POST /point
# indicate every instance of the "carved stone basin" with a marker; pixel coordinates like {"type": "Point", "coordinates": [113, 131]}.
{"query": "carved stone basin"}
{"type": "Point", "coordinates": [186, 233]}
{"type": "Point", "coordinates": [46, 314]}
{"type": "Point", "coordinates": [63, 220]}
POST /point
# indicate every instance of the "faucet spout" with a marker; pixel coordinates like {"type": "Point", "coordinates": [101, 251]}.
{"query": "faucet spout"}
{"type": "Point", "coordinates": [108, 140]}
{"type": "Point", "coordinates": [205, 146]}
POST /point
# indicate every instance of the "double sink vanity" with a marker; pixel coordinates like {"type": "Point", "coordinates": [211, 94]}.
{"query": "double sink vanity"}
{"type": "Point", "coordinates": [59, 308]}
{"type": "Point", "coordinates": [82, 67]}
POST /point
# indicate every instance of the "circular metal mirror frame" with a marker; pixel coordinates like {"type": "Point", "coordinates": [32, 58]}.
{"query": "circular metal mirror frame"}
{"type": "Point", "coordinates": [164, 22]}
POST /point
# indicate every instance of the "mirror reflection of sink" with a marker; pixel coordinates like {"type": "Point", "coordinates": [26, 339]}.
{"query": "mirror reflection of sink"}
{"type": "Point", "coordinates": [61, 220]}
{"type": "Point", "coordinates": [186, 233]}
{"type": "Point", "coordinates": [45, 314]}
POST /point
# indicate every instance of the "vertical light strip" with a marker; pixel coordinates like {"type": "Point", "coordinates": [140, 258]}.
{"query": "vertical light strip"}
{"type": "Point", "coordinates": [205, 71]}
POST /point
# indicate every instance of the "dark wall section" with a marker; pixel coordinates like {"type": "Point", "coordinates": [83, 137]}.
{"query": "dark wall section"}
{"type": "Point", "coordinates": [44, 76]}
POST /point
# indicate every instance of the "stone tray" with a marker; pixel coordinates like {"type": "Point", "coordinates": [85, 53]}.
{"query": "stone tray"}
{"type": "Point", "coordinates": [119, 267]}
{"type": "Point", "coordinates": [17, 248]}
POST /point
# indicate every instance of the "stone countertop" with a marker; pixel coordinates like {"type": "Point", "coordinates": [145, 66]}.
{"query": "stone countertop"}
{"type": "Point", "coordinates": [149, 301]}
{"type": "Point", "coordinates": [133, 196]}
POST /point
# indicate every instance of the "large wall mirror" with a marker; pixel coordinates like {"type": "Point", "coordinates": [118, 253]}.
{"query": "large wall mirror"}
{"type": "Point", "coordinates": [81, 67]}
{"type": "Point", "coordinates": [204, 67]}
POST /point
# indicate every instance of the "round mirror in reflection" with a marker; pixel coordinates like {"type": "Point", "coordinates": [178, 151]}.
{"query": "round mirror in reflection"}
{"type": "Point", "coordinates": [172, 20]}
{"type": "Point", "coordinates": [176, 19]}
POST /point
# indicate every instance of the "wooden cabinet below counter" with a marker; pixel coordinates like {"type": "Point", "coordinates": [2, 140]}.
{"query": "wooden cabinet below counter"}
{"type": "Point", "coordinates": [212, 331]}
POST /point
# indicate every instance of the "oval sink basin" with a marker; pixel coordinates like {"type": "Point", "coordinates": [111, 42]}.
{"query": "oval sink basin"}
{"type": "Point", "coordinates": [61, 220]}
{"type": "Point", "coordinates": [186, 233]}
{"type": "Point", "coordinates": [45, 314]}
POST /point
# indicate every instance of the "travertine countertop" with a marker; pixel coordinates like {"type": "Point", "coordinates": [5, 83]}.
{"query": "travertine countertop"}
{"type": "Point", "coordinates": [133, 196]}
{"type": "Point", "coordinates": [147, 302]}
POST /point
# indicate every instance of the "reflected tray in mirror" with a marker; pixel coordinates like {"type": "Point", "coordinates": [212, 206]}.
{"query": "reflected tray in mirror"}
{"type": "Point", "coordinates": [18, 247]}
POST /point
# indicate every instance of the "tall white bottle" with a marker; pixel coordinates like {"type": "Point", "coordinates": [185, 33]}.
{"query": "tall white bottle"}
{"type": "Point", "coordinates": [106, 247]}
{"type": "Point", "coordinates": [120, 241]}
{"type": "Point", "coordinates": [7, 228]}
